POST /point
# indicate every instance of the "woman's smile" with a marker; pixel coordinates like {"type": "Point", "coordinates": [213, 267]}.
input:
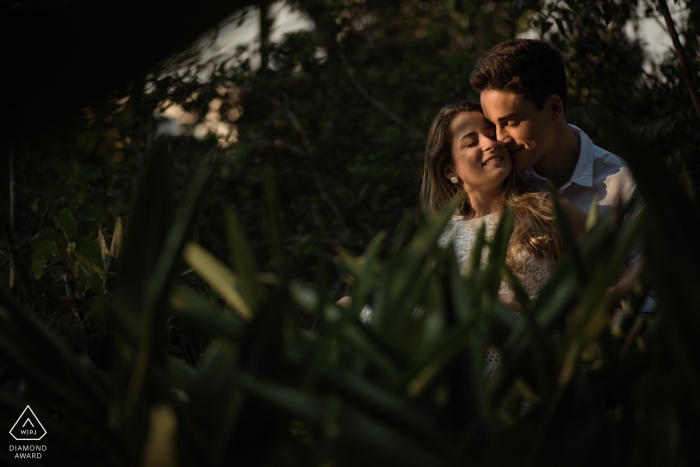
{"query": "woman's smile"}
{"type": "Point", "coordinates": [493, 160]}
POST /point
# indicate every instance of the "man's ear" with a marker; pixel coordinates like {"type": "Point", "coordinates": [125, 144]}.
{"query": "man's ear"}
{"type": "Point", "coordinates": [555, 106]}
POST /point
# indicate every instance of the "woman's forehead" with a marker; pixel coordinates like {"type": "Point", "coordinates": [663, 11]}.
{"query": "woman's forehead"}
{"type": "Point", "coordinates": [467, 122]}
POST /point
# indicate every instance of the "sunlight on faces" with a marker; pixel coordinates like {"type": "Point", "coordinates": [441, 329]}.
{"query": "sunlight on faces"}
{"type": "Point", "coordinates": [526, 132]}
{"type": "Point", "coordinates": [478, 160]}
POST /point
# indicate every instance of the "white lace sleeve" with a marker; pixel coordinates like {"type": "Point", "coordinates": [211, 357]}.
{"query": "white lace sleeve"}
{"type": "Point", "coordinates": [535, 274]}
{"type": "Point", "coordinates": [447, 234]}
{"type": "Point", "coordinates": [465, 234]}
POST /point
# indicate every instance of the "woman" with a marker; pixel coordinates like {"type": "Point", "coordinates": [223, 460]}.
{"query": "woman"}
{"type": "Point", "coordinates": [463, 156]}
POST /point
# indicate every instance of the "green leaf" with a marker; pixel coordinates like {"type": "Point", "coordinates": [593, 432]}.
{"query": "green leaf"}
{"type": "Point", "coordinates": [304, 297]}
{"type": "Point", "coordinates": [89, 255]}
{"type": "Point", "coordinates": [368, 440]}
{"type": "Point", "coordinates": [388, 406]}
{"type": "Point", "coordinates": [290, 400]}
{"type": "Point", "coordinates": [352, 333]}
{"type": "Point", "coordinates": [406, 278]}
{"type": "Point", "coordinates": [51, 354]}
{"type": "Point", "coordinates": [568, 238]}
{"type": "Point", "coordinates": [115, 247]}
{"type": "Point", "coordinates": [273, 225]}
{"type": "Point", "coordinates": [460, 303]}
{"type": "Point", "coordinates": [58, 379]}
{"type": "Point", "coordinates": [474, 263]}
{"type": "Point", "coordinates": [487, 281]}
{"type": "Point", "coordinates": [518, 288]}
{"type": "Point", "coordinates": [67, 223]}
{"type": "Point", "coordinates": [189, 304]}
{"type": "Point", "coordinates": [150, 219]}
{"type": "Point", "coordinates": [242, 258]}
{"type": "Point", "coordinates": [435, 357]}
{"type": "Point", "coordinates": [366, 437]}
{"type": "Point", "coordinates": [43, 248]}
{"type": "Point", "coordinates": [218, 276]}
{"type": "Point", "coordinates": [367, 267]}
{"type": "Point", "coordinates": [592, 217]}
{"type": "Point", "coordinates": [145, 283]}
{"type": "Point", "coordinates": [180, 374]}
{"type": "Point", "coordinates": [214, 395]}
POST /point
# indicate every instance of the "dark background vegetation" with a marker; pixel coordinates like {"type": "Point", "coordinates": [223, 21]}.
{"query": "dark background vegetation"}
{"type": "Point", "coordinates": [337, 115]}
{"type": "Point", "coordinates": [340, 112]}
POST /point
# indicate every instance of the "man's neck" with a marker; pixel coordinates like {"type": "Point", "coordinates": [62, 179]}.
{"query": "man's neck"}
{"type": "Point", "coordinates": [559, 163]}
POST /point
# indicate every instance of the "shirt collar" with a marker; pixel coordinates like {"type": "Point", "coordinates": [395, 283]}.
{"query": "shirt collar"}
{"type": "Point", "coordinates": [583, 172]}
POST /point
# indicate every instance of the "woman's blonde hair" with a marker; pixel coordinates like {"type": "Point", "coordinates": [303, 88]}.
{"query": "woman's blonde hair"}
{"type": "Point", "coordinates": [534, 228]}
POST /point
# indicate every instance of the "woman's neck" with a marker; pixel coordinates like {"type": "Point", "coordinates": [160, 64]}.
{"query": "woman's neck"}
{"type": "Point", "coordinates": [484, 202]}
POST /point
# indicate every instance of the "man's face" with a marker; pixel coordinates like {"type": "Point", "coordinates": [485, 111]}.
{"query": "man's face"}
{"type": "Point", "coordinates": [527, 132]}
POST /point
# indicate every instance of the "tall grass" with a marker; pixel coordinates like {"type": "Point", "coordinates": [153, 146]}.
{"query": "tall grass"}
{"type": "Point", "coordinates": [402, 390]}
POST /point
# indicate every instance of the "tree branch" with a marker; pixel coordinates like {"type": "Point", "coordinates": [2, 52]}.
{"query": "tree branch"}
{"type": "Point", "coordinates": [312, 164]}
{"type": "Point", "coordinates": [681, 56]}
{"type": "Point", "coordinates": [351, 76]}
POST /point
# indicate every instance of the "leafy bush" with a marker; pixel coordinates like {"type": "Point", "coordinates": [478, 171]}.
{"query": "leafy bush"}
{"type": "Point", "coordinates": [403, 390]}
{"type": "Point", "coordinates": [250, 365]}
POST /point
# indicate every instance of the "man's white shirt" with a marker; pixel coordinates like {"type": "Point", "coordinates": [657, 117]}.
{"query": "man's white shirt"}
{"type": "Point", "coordinates": [597, 172]}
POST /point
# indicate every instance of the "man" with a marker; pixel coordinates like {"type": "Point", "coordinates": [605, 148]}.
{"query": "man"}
{"type": "Point", "coordinates": [522, 83]}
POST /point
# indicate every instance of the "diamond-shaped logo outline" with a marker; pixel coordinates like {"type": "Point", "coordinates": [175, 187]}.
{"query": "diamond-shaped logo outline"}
{"type": "Point", "coordinates": [35, 418]}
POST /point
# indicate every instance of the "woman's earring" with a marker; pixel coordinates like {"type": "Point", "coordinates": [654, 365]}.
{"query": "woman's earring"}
{"type": "Point", "coordinates": [455, 192]}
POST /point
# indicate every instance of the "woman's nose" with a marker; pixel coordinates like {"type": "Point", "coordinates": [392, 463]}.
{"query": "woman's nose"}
{"type": "Point", "coordinates": [489, 143]}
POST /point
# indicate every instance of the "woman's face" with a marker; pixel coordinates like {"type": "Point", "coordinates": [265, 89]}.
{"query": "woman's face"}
{"type": "Point", "coordinates": [478, 160]}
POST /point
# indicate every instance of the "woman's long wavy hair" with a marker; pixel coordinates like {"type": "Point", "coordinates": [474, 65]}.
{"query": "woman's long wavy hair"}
{"type": "Point", "coordinates": [534, 230]}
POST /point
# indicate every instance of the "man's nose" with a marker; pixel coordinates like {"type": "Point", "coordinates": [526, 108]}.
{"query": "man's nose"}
{"type": "Point", "coordinates": [501, 144]}
{"type": "Point", "coordinates": [503, 135]}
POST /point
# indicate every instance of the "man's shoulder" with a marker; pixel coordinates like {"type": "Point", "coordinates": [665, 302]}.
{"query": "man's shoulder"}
{"type": "Point", "coordinates": [606, 158]}
{"type": "Point", "coordinates": [601, 158]}
{"type": "Point", "coordinates": [611, 171]}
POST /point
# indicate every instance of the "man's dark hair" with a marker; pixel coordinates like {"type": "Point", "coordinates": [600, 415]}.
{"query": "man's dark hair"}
{"type": "Point", "coordinates": [527, 67]}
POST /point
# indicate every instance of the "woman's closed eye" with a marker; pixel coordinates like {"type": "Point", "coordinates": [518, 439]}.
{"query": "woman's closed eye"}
{"type": "Point", "coordinates": [512, 123]}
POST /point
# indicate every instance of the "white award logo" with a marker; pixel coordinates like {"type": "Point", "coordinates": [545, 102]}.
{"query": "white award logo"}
{"type": "Point", "coordinates": [28, 427]}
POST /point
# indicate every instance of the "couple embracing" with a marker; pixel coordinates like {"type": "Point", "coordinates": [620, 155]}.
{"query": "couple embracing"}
{"type": "Point", "coordinates": [507, 150]}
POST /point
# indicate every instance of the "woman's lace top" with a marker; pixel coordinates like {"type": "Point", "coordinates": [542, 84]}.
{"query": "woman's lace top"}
{"type": "Point", "coordinates": [463, 234]}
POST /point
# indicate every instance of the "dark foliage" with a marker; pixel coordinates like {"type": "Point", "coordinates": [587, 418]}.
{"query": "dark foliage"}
{"type": "Point", "coordinates": [336, 124]}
